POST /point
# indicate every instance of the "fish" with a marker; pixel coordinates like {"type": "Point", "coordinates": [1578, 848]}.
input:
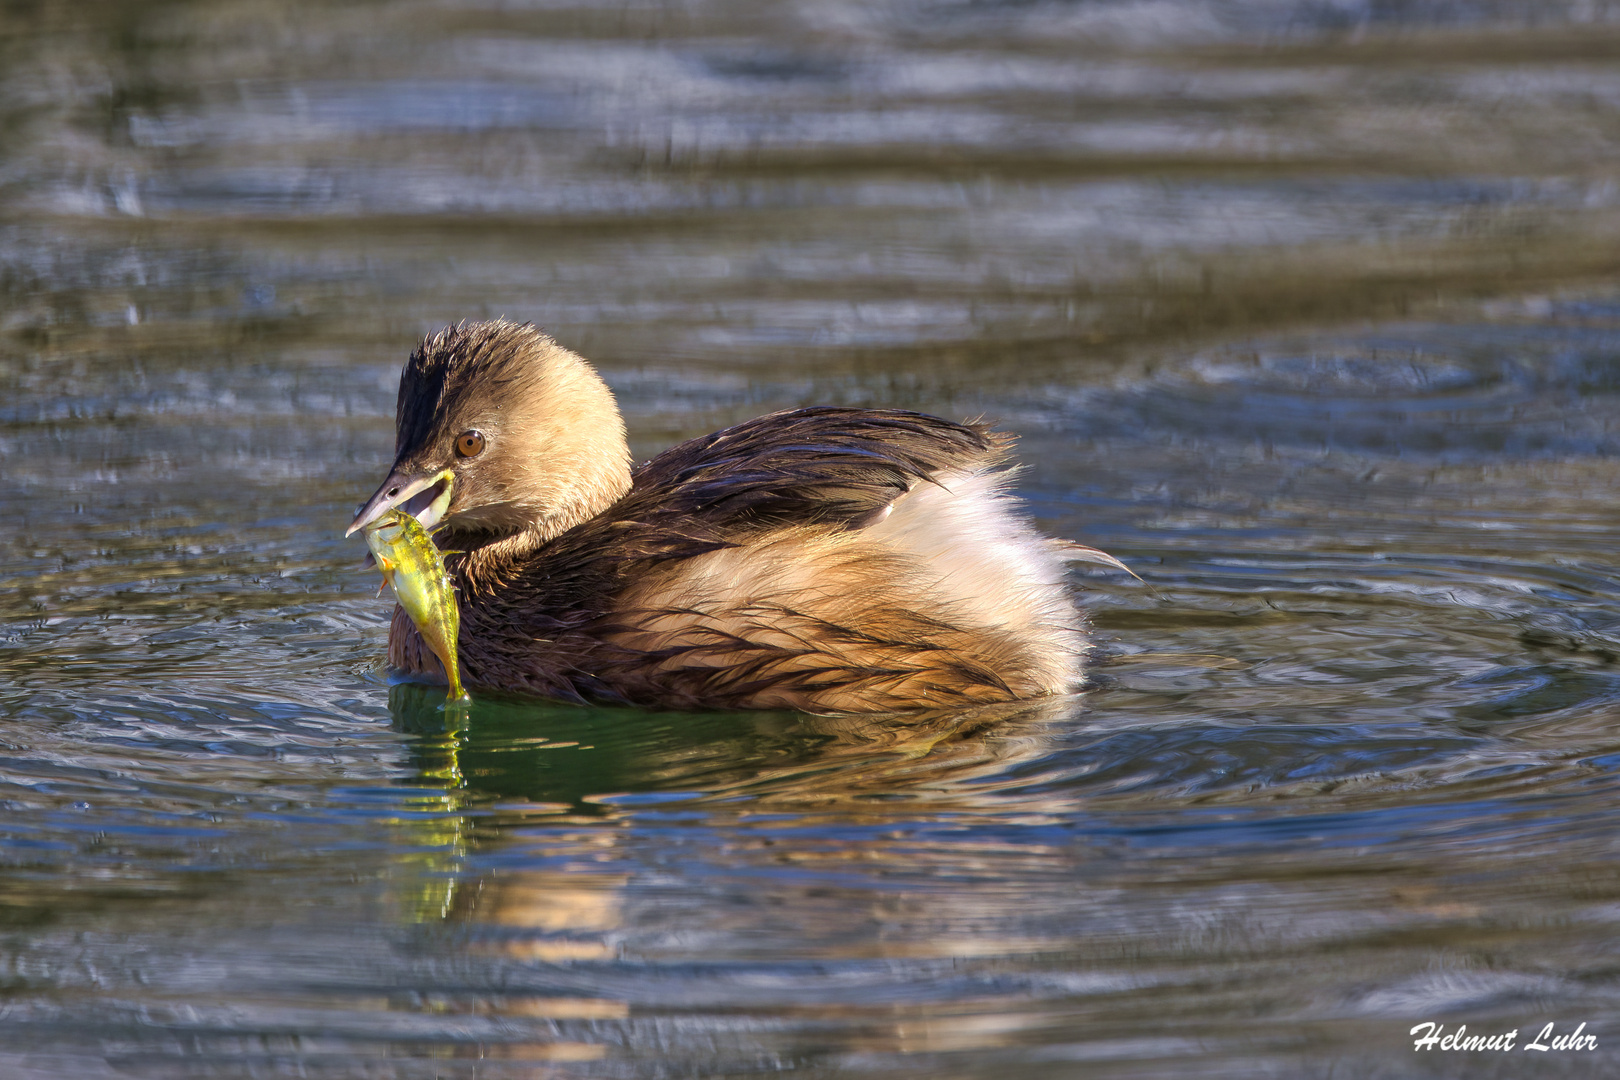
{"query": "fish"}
{"type": "Point", "coordinates": [413, 565]}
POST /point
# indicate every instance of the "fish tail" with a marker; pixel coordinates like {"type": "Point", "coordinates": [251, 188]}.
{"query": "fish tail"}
{"type": "Point", "coordinates": [446, 655]}
{"type": "Point", "coordinates": [456, 692]}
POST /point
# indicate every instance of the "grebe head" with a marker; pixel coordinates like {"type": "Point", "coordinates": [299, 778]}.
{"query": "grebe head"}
{"type": "Point", "coordinates": [502, 435]}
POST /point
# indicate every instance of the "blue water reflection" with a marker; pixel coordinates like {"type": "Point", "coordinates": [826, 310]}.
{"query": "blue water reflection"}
{"type": "Point", "coordinates": [1305, 310]}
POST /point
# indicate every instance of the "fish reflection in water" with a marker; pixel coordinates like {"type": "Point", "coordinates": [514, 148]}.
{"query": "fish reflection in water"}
{"type": "Point", "coordinates": [553, 798]}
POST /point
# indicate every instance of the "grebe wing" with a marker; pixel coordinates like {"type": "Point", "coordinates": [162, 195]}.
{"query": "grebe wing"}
{"type": "Point", "coordinates": [822, 467]}
{"type": "Point", "coordinates": [835, 467]}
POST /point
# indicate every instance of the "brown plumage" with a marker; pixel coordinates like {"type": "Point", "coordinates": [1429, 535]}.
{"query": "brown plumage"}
{"type": "Point", "coordinates": [824, 559]}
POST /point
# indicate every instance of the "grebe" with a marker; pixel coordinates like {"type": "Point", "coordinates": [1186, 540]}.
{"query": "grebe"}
{"type": "Point", "coordinates": [820, 559]}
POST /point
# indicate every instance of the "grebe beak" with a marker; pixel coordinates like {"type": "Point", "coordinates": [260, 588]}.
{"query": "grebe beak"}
{"type": "Point", "coordinates": [427, 498]}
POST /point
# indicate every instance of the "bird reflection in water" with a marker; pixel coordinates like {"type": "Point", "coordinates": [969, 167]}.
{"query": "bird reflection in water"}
{"type": "Point", "coordinates": [553, 807]}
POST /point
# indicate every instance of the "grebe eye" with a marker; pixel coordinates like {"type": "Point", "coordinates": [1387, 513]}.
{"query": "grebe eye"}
{"type": "Point", "coordinates": [470, 444]}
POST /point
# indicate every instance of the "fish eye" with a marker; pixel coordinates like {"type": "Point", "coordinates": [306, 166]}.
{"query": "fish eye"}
{"type": "Point", "coordinates": [469, 444]}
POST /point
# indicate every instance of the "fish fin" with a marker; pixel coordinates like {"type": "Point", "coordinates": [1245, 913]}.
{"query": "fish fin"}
{"type": "Point", "coordinates": [388, 566]}
{"type": "Point", "coordinates": [381, 585]}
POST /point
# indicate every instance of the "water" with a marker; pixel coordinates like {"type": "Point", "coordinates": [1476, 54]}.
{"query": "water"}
{"type": "Point", "coordinates": [1304, 310]}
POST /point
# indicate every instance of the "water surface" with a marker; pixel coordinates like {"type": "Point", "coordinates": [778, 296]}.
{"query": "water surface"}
{"type": "Point", "coordinates": [1303, 310]}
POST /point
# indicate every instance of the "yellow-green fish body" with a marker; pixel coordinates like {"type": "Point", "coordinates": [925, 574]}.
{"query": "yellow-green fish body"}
{"type": "Point", "coordinates": [412, 564]}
